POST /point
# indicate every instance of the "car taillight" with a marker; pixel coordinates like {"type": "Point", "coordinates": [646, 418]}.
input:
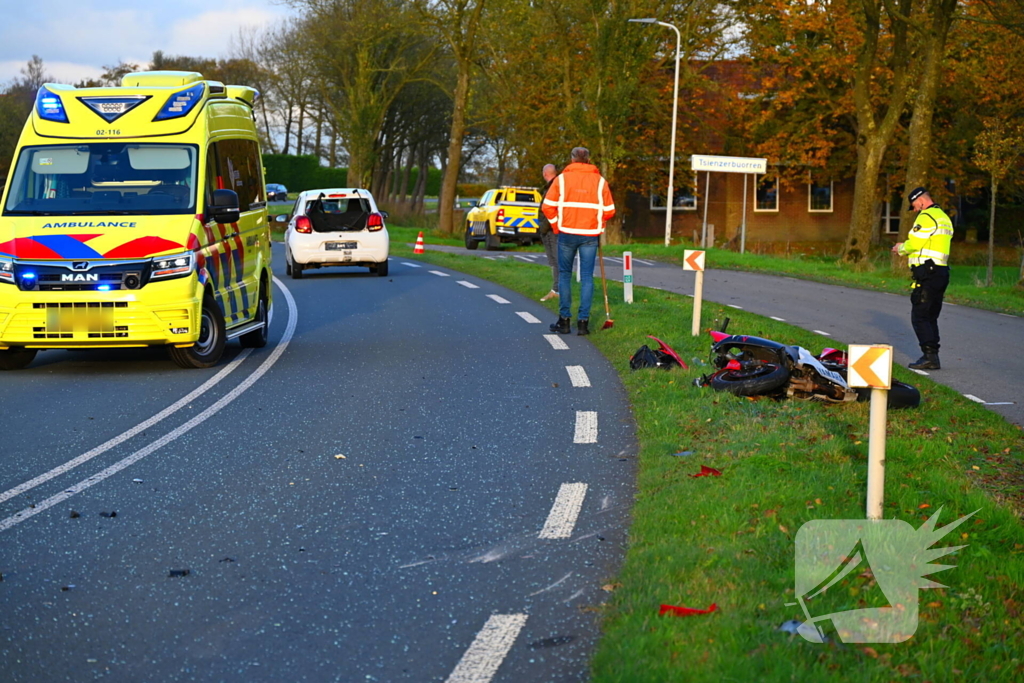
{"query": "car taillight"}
{"type": "Point", "coordinates": [501, 217]}
{"type": "Point", "coordinates": [375, 222]}
{"type": "Point", "coordinates": [302, 224]}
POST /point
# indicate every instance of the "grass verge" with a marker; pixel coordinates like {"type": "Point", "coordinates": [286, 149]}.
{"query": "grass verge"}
{"type": "Point", "coordinates": [729, 540]}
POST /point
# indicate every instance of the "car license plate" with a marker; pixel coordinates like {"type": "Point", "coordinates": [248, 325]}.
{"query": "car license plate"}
{"type": "Point", "coordinates": [527, 229]}
{"type": "Point", "coordinates": [338, 246]}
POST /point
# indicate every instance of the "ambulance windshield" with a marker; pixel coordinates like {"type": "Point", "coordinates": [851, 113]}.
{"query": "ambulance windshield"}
{"type": "Point", "coordinates": [103, 178]}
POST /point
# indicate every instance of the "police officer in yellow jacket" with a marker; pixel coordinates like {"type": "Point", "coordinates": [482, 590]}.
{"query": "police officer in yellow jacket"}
{"type": "Point", "coordinates": [927, 248]}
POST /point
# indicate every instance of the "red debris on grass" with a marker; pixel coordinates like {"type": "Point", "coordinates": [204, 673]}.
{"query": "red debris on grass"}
{"type": "Point", "coordinates": [686, 611]}
{"type": "Point", "coordinates": [706, 471]}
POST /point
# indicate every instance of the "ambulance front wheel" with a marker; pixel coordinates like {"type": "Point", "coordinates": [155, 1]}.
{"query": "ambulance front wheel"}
{"type": "Point", "coordinates": [208, 349]}
{"type": "Point", "coordinates": [16, 358]}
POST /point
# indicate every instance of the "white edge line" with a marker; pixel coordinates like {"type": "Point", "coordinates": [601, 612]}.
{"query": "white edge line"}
{"type": "Point", "coordinates": [439, 273]}
{"type": "Point", "coordinates": [499, 299]}
{"type": "Point", "coordinates": [468, 285]}
{"type": "Point", "coordinates": [920, 372]}
{"type": "Point", "coordinates": [488, 650]}
{"type": "Point", "coordinates": [974, 398]}
{"type": "Point", "coordinates": [781, 320]}
{"type": "Point", "coordinates": [821, 332]}
{"type": "Point", "coordinates": [564, 512]}
{"type": "Point", "coordinates": [125, 436]}
{"type": "Point", "coordinates": [227, 398]}
{"type": "Point", "coordinates": [734, 306]}
{"type": "Point", "coordinates": [411, 265]}
{"type": "Point", "coordinates": [578, 375]}
{"type": "Point", "coordinates": [586, 427]}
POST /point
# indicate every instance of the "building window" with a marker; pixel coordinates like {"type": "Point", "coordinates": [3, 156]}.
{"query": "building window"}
{"type": "Point", "coordinates": [819, 197]}
{"type": "Point", "coordinates": [683, 198]}
{"type": "Point", "coordinates": [891, 215]}
{"type": "Point", "coordinates": [767, 190]}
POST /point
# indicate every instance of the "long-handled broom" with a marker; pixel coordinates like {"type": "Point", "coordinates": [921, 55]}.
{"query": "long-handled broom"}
{"type": "Point", "coordinates": [608, 323]}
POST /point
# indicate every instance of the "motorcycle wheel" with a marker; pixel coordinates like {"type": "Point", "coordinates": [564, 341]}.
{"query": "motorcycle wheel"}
{"type": "Point", "coordinates": [762, 380]}
{"type": "Point", "coordinates": [901, 395]}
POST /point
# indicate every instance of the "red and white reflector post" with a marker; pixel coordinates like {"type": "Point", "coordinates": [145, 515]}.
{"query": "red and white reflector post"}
{"type": "Point", "coordinates": [627, 276]}
{"type": "Point", "coordinates": [871, 366]}
{"type": "Point", "coordinates": [694, 260]}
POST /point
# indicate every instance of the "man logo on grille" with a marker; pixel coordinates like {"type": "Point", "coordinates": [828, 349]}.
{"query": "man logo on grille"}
{"type": "Point", "coordinates": [879, 565]}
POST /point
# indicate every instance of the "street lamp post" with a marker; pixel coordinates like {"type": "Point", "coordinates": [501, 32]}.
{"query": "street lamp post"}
{"type": "Point", "coordinates": [672, 150]}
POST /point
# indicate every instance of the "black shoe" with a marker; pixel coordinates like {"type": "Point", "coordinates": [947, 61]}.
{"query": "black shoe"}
{"type": "Point", "coordinates": [561, 327]}
{"type": "Point", "coordinates": [929, 361]}
{"type": "Point", "coordinates": [582, 327]}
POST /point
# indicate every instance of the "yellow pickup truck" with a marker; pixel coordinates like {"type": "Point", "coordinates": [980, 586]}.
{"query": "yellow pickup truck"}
{"type": "Point", "coordinates": [505, 214]}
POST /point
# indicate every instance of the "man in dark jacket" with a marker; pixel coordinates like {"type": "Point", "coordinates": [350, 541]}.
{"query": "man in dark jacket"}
{"type": "Point", "coordinates": [548, 235]}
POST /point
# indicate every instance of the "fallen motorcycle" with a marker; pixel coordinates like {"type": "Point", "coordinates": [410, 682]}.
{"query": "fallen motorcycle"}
{"type": "Point", "coordinates": [752, 366]}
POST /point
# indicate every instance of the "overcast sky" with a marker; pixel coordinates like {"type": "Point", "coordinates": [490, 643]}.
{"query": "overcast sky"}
{"type": "Point", "coordinates": [76, 38]}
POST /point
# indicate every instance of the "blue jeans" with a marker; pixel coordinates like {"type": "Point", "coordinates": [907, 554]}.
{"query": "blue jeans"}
{"type": "Point", "coordinates": [568, 247]}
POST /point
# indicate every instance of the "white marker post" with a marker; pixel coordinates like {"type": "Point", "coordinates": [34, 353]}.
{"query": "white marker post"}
{"type": "Point", "coordinates": [871, 366]}
{"type": "Point", "coordinates": [576, 267]}
{"type": "Point", "coordinates": [627, 276]}
{"type": "Point", "coordinates": [694, 260]}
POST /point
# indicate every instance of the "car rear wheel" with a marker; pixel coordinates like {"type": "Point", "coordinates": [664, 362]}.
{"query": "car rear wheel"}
{"type": "Point", "coordinates": [16, 358]}
{"type": "Point", "coordinates": [208, 349]}
{"type": "Point", "coordinates": [493, 242]}
{"type": "Point", "coordinates": [470, 242]}
{"type": "Point", "coordinates": [382, 268]}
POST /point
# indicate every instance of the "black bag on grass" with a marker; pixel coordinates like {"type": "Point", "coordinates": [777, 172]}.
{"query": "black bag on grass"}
{"type": "Point", "coordinates": [646, 357]}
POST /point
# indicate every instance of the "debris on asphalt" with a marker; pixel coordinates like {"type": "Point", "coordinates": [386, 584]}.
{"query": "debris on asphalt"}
{"type": "Point", "coordinates": [1, 576]}
{"type": "Point", "coordinates": [68, 587]}
{"type": "Point", "coordinates": [339, 456]}
{"type": "Point", "coordinates": [136, 481]}
{"type": "Point", "coordinates": [175, 573]}
{"type": "Point", "coordinates": [75, 515]}
{"type": "Point", "coordinates": [227, 559]}
{"type": "Point", "coordinates": [706, 471]}
{"type": "Point", "coordinates": [686, 611]}
{"type": "Point", "coordinates": [109, 515]}
{"type": "Point", "coordinates": [551, 642]}
{"type": "Point", "coordinates": [682, 453]}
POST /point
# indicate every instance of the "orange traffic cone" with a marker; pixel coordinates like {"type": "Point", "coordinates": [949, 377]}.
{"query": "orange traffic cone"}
{"type": "Point", "coordinates": [419, 244]}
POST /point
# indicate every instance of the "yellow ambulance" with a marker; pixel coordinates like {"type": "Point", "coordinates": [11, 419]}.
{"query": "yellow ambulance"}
{"type": "Point", "coordinates": [136, 216]}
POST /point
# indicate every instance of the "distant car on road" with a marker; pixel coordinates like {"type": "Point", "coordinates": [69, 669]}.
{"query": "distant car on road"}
{"type": "Point", "coordinates": [277, 192]}
{"type": "Point", "coordinates": [335, 227]}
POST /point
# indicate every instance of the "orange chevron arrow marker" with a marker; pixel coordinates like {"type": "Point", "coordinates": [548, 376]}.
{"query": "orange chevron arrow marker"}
{"type": "Point", "coordinates": [693, 260]}
{"type": "Point", "coordinates": [862, 358]}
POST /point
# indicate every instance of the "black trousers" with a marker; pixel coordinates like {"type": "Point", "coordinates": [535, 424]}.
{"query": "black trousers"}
{"type": "Point", "coordinates": [926, 304]}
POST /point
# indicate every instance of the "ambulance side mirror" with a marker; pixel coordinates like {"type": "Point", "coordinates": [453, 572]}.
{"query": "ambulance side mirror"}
{"type": "Point", "coordinates": [224, 206]}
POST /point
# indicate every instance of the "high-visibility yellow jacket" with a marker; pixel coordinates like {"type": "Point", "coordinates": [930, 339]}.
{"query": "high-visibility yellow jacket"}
{"type": "Point", "coordinates": [929, 238]}
{"type": "Point", "coordinates": [579, 201]}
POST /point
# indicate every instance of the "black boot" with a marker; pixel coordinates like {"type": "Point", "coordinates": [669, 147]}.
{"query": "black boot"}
{"type": "Point", "coordinates": [582, 327]}
{"type": "Point", "coordinates": [561, 327]}
{"type": "Point", "coordinates": [929, 361]}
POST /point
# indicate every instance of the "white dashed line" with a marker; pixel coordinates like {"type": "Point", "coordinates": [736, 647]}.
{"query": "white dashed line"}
{"type": "Point", "coordinates": [616, 259]}
{"type": "Point", "coordinates": [528, 259]}
{"type": "Point", "coordinates": [411, 265]}
{"type": "Point", "coordinates": [439, 273]}
{"type": "Point", "coordinates": [528, 317]}
{"type": "Point", "coordinates": [578, 375]}
{"type": "Point", "coordinates": [488, 650]}
{"type": "Point", "coordinates": [490, 258]}
{"type": "Point", "coordinates": [974, 398]}
{"type": "Point", "coordinates": [468, 285]}
{"type": "Point", "coordinates": [1008, 315]}
{"type": "Point", "coordinates": [586, 427]}
{"type": "Point", "coordinates": [734, 306]}
{"type": "Point", "coordinates": [646, 263]}
{"type": "Point", "coordinates": [562, 518]}
{"type": "Point", "coordinates": [920, 372]}
{"type": "Point", "coordinates": [499, 299]}
{"type": "Point", "coordinates": [781, 320]}
{"type": "Point", "coordinates": [556, 342]}
{"type": "Point", "coordinates": [820, 332]}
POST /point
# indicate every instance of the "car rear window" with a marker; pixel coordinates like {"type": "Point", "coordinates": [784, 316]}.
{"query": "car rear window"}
{"type": "Point", "coordinates": [338, 214]}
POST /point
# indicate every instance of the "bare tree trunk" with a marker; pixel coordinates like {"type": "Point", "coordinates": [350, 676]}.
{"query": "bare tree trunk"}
{"type": "Point", "coordinates": [288, 130]}
{"type": "Point", "coordinates": [919, 155]}
{"type": "Point", "coordinates": [266, 126]}
{"type": "Point", "coordinates": [319, 134]}
{"type": "Point", "coordinates": [991, 233]}
{"type": "Point", "coordinates": [298, 134]}
{"type": "Point", "coordinates": [446, 203]}
{"type": "Point", "coordinates": [333, 162]}
{"type": "Point", "coordinates": [404, 191]}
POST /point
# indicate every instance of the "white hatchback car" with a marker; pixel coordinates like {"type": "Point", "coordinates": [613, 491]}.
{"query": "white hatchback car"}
{"type": "Point", "coordinates": [336, 227]}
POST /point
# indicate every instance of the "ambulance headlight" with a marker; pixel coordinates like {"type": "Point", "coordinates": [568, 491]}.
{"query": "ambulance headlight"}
{"type": "Point", "coordinates": [6, 270]}
{"type": "Point", "coordinates": [177, 265]}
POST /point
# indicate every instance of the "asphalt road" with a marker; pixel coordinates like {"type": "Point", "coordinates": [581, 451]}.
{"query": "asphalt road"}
{"type": "Point", "coordinates": [980, 352]}
{"type": "Point", "coordinates": [480, 504]}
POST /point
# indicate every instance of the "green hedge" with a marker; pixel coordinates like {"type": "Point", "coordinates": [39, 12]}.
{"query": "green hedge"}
{"type": "Point", "coordinates": [300, 173]}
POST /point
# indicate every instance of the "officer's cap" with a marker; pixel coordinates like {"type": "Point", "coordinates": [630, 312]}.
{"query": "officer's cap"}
{"type": "Point", "coordinates": [915, 193]}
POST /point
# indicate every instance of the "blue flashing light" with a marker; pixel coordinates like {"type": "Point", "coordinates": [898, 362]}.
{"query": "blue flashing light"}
{"type": "Point", "coordinates": [28, 275]}
{"type": "Point", "coordinates": [181, 103]}
{"type": "Point", "coordinates": [50, 107]}
{"type": "Point", "coordinates": [104, 288]}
